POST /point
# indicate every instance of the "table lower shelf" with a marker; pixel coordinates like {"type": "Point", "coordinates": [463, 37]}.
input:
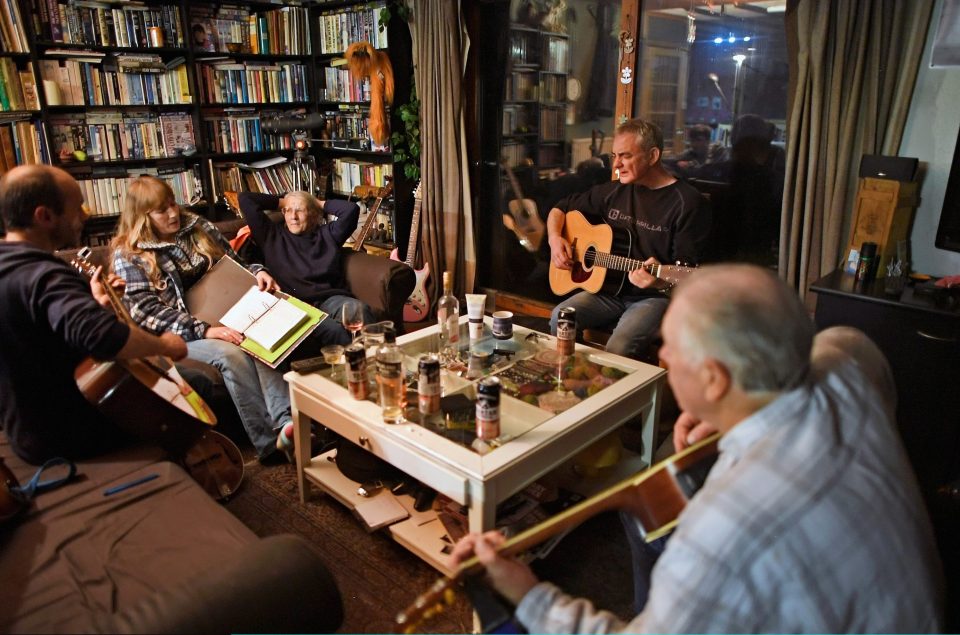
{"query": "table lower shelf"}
{"type": "Point", "coordinates": [422, 533]}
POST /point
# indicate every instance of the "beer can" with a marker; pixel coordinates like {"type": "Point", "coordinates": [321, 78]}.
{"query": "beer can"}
{"type": "Point", "coordinates": [356, 358]}
{"type": "Point", "coordinates": [488, 409]}
{"type": "Point", "coordinates": [428, 386]}
{"type": "Point", "coordinates": [566, 330]}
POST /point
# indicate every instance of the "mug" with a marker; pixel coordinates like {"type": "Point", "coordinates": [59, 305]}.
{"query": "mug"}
{"type": "Point", "coordinates": [503, 325]}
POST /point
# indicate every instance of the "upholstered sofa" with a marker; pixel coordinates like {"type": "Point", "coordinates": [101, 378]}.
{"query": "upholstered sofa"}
{"type": "Point", "coordinates": [157, 557]}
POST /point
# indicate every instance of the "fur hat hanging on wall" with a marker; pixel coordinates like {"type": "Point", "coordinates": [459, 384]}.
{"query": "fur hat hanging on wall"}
{"type": "Point", "coordinates": [364, 61]}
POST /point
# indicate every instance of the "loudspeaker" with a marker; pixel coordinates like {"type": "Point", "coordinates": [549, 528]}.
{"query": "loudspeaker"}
{"type": "Point", "coordinates": [878, 166]}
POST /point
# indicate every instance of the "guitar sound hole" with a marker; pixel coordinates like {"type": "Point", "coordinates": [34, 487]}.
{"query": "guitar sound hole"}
{"type": "Point", "coordinates": [589, 257]}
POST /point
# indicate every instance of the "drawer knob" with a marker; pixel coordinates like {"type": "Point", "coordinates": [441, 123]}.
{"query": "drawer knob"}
{"type": "Point", "coordinates": [364, 442]}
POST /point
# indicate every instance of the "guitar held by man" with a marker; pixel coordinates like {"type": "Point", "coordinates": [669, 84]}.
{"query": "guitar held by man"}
{"type": "Point", "coordinates": [600, 259]}
{"type": "Point", "coordinates": [655, 496]}
{"type": "Point", "coordinates": [149, 399]}
{"type": "Point", "coordinates": [418, 304]}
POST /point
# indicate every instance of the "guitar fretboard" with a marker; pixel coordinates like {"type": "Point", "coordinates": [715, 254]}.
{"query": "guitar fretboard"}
{"type": "Point", "coordinates": [620, 263]}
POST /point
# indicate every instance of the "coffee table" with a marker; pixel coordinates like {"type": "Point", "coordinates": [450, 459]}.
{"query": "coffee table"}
{"type": "Point", "coordinates": [595, 392]}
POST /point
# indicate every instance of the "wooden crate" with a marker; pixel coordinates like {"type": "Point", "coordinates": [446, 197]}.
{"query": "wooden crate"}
{"type": "Point", "coordinates": [883, 214]}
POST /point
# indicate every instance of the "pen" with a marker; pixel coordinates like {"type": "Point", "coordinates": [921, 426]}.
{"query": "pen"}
{"type": "Point", "coordinates": [125, 486]}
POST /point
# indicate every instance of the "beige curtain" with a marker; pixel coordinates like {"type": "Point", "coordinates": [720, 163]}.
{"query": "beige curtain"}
{"type": "Point", "coordinates": [853, 67]}
{"type": "Point", "coordinates": [439, 53]}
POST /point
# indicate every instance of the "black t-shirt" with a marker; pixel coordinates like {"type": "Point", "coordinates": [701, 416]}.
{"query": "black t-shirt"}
{"type": "Point", "coordinates": [49, 322]}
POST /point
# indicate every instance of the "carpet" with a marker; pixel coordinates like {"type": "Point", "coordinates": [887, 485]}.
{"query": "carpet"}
{"type": "Point", "coordinates": [377, 577]}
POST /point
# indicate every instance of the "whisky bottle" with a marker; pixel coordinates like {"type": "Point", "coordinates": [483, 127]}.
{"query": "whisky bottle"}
{"type": "Point", "coordinates": [448, 317]}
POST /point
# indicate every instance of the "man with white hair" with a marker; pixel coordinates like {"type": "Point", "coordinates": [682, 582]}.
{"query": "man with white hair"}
{"type": "Point", "coordinates": [810, 520]}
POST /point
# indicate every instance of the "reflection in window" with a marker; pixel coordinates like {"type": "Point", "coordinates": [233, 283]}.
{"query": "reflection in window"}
{"type": "Point", "coordinates": [712, 75]}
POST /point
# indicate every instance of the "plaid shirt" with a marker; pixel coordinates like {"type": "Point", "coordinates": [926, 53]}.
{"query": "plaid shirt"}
{"type": "Point", "coordinates": [810, 521]}
{"type": "Point", "coordinates": [159, 310]}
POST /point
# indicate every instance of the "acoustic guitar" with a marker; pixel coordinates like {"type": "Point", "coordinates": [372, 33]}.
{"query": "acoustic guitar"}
{"type": "Point", "coordinates": [148, 399]}
{"type": "Point", "coordinates": [418, 304]}
{"type": "Point", "coordinates": [601, 259]}
{"type": "Point", "coordinates": [381, 193]}
{"type": "Point", "coordinates": [655, 496]}
{"type": "Point", "coordinates": [523, 219]}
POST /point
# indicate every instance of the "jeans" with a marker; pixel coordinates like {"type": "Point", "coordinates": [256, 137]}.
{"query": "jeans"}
{"type": "Point", "coordinates": [643, 555]}
{"type": "Point", "coordinates": [636, 323]}
{"type": "Point", "coordinates": [259, 392]}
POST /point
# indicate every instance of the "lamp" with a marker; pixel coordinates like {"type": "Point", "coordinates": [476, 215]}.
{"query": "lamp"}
{"type": "Point", "coordinates": [716, 82]}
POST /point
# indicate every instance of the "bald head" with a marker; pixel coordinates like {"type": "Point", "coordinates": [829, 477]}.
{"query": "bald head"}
{"type": "Point", "coordinates": [748, 320]}
{"type": "Point", "coordinates": [26, 187]}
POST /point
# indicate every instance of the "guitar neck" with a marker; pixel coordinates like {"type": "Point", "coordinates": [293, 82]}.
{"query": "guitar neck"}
{"type": "Point", "coordinates": [623, 263]}
{"type": "Point", "coordinates": [371, 217]}
{"type": "Point", "coordinates": [514, 183]}
{"type": "Point", "coordinates": [411, 260]}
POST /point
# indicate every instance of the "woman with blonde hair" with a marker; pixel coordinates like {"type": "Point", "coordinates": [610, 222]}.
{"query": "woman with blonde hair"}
{"type": "Point", "coordinates": [161, 250]}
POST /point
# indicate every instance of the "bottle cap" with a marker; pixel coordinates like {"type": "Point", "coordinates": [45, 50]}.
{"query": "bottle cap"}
{"type": "Point", "coordinates": [868, 249]}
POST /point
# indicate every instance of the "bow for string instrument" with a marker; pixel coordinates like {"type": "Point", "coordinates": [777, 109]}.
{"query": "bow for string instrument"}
{"type": "Point", "coordinates": [655, 496]}
{"type": "Point", "coordinates": [149, 399]}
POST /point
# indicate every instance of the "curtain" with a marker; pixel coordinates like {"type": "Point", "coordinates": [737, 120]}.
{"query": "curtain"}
{"type": "Point", "coordinates": [440, 47]}
{"type": "Point", "coordinates": [853, 69]}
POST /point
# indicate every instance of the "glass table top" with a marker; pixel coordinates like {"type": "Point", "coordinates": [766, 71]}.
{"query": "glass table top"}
{"type": "Point", "coordinates": [537, 383]}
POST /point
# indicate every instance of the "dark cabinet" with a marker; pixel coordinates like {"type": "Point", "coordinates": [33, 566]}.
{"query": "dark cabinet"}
{"type": "Point", "coordinates": [920, 335]}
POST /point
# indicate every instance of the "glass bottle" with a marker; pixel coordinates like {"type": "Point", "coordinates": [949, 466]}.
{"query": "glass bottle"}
{"type": "Point", "coordinates": [448, 317]}
{"type": "Point", "coordinates": [393, 392]}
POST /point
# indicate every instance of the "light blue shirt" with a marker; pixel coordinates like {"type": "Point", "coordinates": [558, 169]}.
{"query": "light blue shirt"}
{"type": "Point", "coordinates": [810, 521]}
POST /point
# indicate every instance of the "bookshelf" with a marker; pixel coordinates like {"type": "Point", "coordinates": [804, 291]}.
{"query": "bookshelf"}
{"type": "Point", "coordinates": [534, 105]}
{"type": "Point", "coordinates": [112, 89]}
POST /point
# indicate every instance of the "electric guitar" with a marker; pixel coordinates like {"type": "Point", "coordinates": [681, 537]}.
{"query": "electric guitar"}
{"type": "Point", "coordinates": [381, 193]}
{"type": "Point", "coordinates": [655, 496]}
{"type": "Point", "coordinates": [150, 400]}
{"type": "Point", "coordinates": [601, 259]}
{"type": "Point", "coordinates": [523, 219]}
{"type": "Point", "coordinates": [418, 304]}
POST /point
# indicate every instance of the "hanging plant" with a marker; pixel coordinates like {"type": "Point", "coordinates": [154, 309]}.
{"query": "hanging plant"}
{"type": "Point", "coordinates": [406, 142]}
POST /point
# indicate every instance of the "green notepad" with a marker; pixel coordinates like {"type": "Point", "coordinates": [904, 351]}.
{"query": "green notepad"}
{"type": "Point", "coordinates": [315, 316]}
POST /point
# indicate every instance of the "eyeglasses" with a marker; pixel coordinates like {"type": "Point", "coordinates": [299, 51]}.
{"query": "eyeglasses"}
{"type": "Point", "coordinates": [293, 210]}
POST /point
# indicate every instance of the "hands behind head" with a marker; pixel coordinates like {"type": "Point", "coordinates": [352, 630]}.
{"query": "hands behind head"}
{"type": "Point", "coordinates": [511, 578]}
{"type": "Point", "coordinates": [689, 430]}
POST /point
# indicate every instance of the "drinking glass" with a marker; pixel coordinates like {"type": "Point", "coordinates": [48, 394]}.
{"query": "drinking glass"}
{"type": "Point", "coordinates": [353, 317]}
{"type": "Point", "coordinates": [333, 355]}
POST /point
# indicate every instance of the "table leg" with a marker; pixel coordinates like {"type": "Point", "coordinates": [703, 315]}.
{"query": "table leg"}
{"type": "Point", "coordinates": [301, 449]}
{"type": "Point", "coordinates": [482, 515]}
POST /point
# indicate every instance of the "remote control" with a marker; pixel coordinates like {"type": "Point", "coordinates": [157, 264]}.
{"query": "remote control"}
{"type": "Point", "coordinates": [309, 365]}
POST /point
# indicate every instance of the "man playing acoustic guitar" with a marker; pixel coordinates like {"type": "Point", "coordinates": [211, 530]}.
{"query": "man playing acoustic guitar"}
{"type": "Point", "coordinates": [810, 521]}
{"type": "Point", "coordinates": [49, 322]}
{"type": "Point", "coordinates": [664, 223]}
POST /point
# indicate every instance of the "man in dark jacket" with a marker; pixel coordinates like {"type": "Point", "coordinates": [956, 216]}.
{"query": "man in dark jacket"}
{"type": "Point", "coordinates": [50, 321]}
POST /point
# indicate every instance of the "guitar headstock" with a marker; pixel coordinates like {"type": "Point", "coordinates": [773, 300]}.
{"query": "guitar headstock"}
{"type": "Point", "coordinates": [675, 274]}
{"type": "Point", "coordinates": [428, 605]}
{"type": "Point", "coordinates": [81, 262]}
{"type": "Point", "coordinates": [418, 191]}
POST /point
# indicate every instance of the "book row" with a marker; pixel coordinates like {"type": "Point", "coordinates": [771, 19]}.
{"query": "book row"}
{"type": "Point", "coordinates": [339, 86]}
{"type": "Point", "coordinates": [241, 132]}
{"type": "Point", "coordinates": [21, 142]}
{"type": "Point", "coordinates": [114, 136]}
{"type": "Point", "coordinates": [93, 23]}
{"type": "Point", "coordinates": [105, 192]}
{"type": "Point", "coordinates": [553, 123]}
{"type": "Point", "coordinates": [338, 29]}
{"type": "Point", "coordinates": [113, 81]}
{"type": "Point", "coordinates": [253, 83]}
{"type": "Point", "coordinates": [18, 88]}
{"type": "Point", "coordinates": [276, 179]}
{"type": "Point", "coordinates": [284, 31]}
{"type": "Point", "coordinates": [349, 173]}
{"type": "Point", "coordinates": [12, 36]}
